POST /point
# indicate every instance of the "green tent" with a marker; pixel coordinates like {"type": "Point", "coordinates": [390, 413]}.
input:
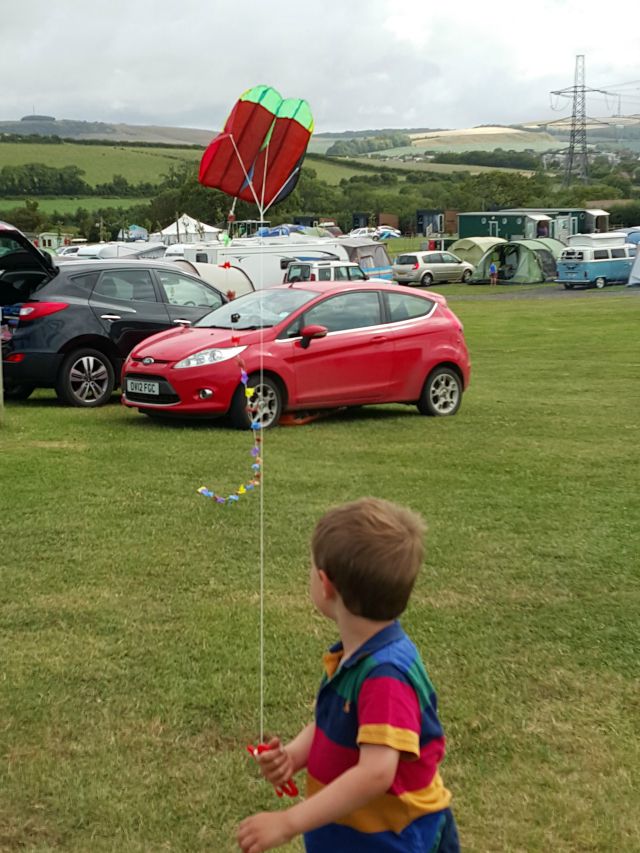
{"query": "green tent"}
{"type": "Point", "coordinates": [518, 262]}
{"type": "Point", "coordinates": [471, 249]}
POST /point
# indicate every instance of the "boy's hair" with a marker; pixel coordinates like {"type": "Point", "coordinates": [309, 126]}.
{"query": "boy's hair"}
{"type": "Point", "coordinates": [371, 550]}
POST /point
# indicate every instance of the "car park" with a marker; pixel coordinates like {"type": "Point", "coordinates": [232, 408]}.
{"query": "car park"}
{"type": "Point", "coordinates": [306, 346]}
{"type": "Point", "coordinates": [427, 268]}
{"type": "Point", "coordinates": [70, 325]}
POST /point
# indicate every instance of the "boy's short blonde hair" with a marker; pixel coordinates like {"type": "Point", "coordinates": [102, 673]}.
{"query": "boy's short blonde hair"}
{"type": "Point", "coordinates": [372, 551]}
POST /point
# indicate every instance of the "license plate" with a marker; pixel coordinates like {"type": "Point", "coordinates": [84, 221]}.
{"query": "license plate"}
{"type": "Point", "coordinates": [138, 387]}
{"type": "Point", "coordinates": [5, 332]}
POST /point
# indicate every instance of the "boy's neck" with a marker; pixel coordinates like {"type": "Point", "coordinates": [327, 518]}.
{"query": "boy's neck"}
{"type": "Point", "coordinates": [356, 630]}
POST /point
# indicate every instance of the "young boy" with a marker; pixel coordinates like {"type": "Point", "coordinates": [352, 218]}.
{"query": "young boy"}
{"type": "Point", "coordinates": [372, 754]}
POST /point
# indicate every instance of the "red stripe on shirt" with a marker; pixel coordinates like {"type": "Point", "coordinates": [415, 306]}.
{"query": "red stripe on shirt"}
{"type": "Point", "coordinates": [328, 760]}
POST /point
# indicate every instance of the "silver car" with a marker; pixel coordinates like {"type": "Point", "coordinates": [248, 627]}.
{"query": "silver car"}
{"type": "Point", "coordinates": [429, 268]}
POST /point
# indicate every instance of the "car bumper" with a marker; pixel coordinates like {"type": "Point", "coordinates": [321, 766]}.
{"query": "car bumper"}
{"type": "Point", "coordinates": [39, 369]}
{"type": "Point", "coordinates": [205, 391]}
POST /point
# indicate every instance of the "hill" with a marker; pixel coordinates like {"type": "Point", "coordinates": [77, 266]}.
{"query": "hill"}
{"type": "Point", "coordinates": [71, 129]}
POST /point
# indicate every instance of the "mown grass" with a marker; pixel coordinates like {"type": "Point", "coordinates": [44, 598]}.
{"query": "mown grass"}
{"type": "Point", "coordinates": [101, 162]}
{"type": "Point", "coordinates": [129, 605]}
{"type": "Point", "coordinates": [70, 204]}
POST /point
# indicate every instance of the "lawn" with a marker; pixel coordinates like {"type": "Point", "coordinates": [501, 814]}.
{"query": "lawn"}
{"type": "Point", "coordinates": [129, 604]}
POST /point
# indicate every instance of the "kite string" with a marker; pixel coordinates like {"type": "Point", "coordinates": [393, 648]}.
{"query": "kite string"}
{"type": "Point", "coordinates": [260, 206]}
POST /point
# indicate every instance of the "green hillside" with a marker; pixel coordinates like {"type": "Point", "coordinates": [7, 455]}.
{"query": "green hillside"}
{"type": "Point", "coordinates": [100, 162]}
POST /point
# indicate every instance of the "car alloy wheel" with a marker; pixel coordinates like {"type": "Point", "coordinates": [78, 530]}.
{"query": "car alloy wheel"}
{"type": "Point", "coordinates": [466, 275]}
{"type": "Point", "coordinates": [600, 282]}
{"type": "Point", "coordinates": [426, 280]}
{"type": "Point", "coordinates": [442, 393]}
{"type": "Point", "coordinates": [86, 379]}
{"type": "Point", "coordinates": [266, 404]}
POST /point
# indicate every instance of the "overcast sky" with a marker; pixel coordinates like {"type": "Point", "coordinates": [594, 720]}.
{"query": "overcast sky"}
{"type": "Point", "coordinates": [360, 63]}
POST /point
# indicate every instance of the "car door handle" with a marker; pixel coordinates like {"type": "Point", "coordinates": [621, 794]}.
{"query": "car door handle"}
{"type": "Point", "coordinates": [110, 317]}
{"type": "Point", "coordinates": [378, 339]}
{"type": "Point", "coordinates": [182, 322]}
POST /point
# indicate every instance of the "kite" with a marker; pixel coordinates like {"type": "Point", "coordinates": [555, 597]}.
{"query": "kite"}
{"type": "Point", "coordinates": [258, 155]}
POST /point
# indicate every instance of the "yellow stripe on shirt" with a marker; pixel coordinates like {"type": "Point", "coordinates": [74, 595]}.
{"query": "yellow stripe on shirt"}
{"type": "Point", "coordinates": [390, 813]}
{"type": "Point", "coordinates": [382, 734]}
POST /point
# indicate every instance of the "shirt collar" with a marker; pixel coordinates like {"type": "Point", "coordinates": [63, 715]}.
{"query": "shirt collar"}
{"type": "Point", "coordinates": [333, 658]}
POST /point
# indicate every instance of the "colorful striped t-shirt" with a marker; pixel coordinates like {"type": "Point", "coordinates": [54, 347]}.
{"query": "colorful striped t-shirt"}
{"type": "Point", "coordinates": [380, 695]}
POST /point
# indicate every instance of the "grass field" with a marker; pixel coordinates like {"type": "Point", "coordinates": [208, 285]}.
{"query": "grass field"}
{"type": "Point", "coordinates": [129, 605]}
{"type": "Point", "coordinates": [71, 204]}
{"type": "Point", "coordinates": [100, 162]}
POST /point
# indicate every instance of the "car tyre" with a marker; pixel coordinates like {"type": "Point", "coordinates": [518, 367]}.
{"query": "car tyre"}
{"type": "Point", "coordinates": [266, 399]}
{"type": "Point", "coordinates": [18, 392]}
{"type": "Point", "coordinates": [568, 286]}
{"type": "Point", "coordinates": [442, 393]}
{"type": "Point", "coordinates": [600, 282]}
{"type": "Point", "coordinates": [466, 275]}
{"type": "Point", "coordinates": [86, 379]}
{"type": "Point", "coordinates": [426, 280]}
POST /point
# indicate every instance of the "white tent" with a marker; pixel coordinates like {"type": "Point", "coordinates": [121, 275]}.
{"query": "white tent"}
{"type": "Point", "coordinates": [186, 229]}
{"type": "Point", "coordinates": [634, 275]}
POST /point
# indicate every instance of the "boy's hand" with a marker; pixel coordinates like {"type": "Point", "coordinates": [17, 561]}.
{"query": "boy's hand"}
{"type": "Point", "coordinates": [264, 831]}
{"type": "Point", "coordinates": [275, 763]}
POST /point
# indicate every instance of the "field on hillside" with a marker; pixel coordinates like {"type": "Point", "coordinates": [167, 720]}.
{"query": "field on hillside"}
{"type": "Point", "coordinates": [70, 204]}
{"type": "Point", "coordinates": [100, 162]}
{"type": "Point", "coordinates": [485, 139]}
{"type": "Point", "coordinates": [442, 168]}
{"type": "Point", "coordinates": [129, 604]}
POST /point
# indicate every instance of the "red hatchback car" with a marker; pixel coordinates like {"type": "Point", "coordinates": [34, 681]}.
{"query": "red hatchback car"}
{"type": "Point", "coordinates": [311, 345]}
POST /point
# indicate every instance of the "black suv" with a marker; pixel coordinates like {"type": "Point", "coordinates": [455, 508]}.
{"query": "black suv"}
{"type": "Point", "coordinates": [70, 325]}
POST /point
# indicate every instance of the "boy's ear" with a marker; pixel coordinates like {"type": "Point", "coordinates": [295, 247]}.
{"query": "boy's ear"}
{"type": "Point", "coordinates": [328, 588]}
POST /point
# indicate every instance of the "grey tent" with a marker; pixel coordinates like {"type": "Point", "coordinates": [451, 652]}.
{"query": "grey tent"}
{"type": "Point", "coordinates": [634, 275]}
{"type": "Point", "coordinates": [518, 262]}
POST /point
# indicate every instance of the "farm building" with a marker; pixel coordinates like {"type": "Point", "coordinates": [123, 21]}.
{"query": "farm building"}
{"type": "Point", "coordinates": [435, 221]}
{"type": "Point", "coordinates": [532, 223]}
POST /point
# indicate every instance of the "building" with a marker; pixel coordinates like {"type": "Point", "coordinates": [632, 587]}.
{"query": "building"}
{"type": "Point", "coordinates": [528, 223]}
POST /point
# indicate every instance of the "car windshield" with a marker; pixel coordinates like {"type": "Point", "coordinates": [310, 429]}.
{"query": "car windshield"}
{"type": "Point", "coordinates": [259, 310]}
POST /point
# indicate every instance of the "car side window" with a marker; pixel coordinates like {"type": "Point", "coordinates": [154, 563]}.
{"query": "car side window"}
{"type": "Point", "coordinates": [601, 255]}
{"type": "Point", "coordinates": [450, 259]}
{"type": "Point", "coordinates": [129, 285]}
{"type": "Point", "coordinates": [402, 306]}
{"type": "Point", "coordinates": [345, 311]}
{"type": "Point", "coordinates": [324, 274]}
{"type": "Point", "coordinates": [356, 274]}
{"type": "Point", "coordinates": [180, 290]}
{"type": "Point", "coordinates": [342, 274]}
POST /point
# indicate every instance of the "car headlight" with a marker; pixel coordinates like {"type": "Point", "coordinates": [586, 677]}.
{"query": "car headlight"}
{"type": "Point", "coordinates": [209, 356]}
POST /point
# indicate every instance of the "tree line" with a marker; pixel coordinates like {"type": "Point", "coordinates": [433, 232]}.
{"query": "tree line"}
{"type": "Point", "coordinates": [387, 190]}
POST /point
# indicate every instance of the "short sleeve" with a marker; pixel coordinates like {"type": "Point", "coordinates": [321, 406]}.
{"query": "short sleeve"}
{"type": "Point", "coordinates": [389, 712]}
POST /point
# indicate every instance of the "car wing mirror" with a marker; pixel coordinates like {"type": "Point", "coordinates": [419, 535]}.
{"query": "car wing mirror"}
{"type": "Point", "coordinates": [308, 333]}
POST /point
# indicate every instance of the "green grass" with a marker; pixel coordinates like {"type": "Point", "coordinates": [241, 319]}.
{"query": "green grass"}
{"type": "Point", "coordinates": [425, 166]}
{"type": "Point", "coordinates": [100, 162]}
{"type": "Point", "coordinates": [129, 605]}
{"type": "Point", "coordinates": [70, 204]}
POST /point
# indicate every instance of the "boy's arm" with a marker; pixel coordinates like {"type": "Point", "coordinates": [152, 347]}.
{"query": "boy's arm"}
{"type": "Point", "coordinates": [371, 777]}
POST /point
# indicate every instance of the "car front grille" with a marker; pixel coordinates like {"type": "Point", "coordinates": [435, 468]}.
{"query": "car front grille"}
{"type": "Point", "coordinates": [166, 397]}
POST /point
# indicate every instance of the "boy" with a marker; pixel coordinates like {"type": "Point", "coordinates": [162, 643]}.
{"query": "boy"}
{"type": "Point", "coordinates": [372, 754]}
{"type": "Point", "coordinates": [493, 273]}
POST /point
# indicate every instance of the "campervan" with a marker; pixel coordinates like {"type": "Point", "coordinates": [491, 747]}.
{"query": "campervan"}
{"type": "Point", "coordinates": [589, 266]}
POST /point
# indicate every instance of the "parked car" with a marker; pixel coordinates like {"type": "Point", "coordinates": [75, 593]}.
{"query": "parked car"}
{"type": "Point", "coordinates": [429, 268]}
{"type": "Point", "coordinates": [323, 271]}
{"type": "Point", "coordinates": [69, 325]}
{"type": "Point", "coordinates": [312, 345]}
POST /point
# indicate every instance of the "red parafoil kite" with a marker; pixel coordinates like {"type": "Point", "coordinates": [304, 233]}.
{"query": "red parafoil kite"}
{"type": "Point", "coordinates": [258, 155]}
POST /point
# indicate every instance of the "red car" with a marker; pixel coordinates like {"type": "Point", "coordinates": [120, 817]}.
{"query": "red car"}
{"type": "Point", "coordinates": [311, 345]}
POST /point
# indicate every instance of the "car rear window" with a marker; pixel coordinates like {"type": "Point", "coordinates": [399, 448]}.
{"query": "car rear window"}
{"type": "Point", "coordinates": [407, 259]}
{"type": "Point", "coordinates": [402, 306]}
